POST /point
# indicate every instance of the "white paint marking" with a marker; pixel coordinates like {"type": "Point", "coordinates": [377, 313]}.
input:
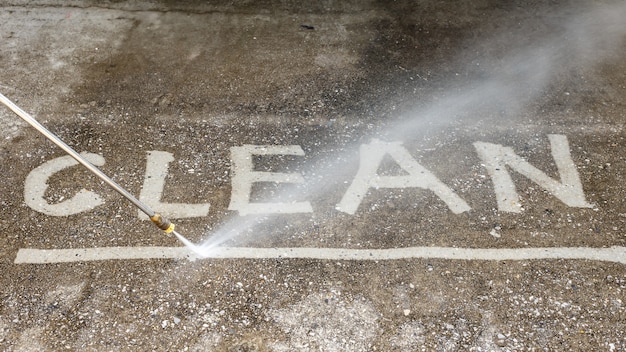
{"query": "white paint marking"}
{"type": "Point", "coordinates": [496, 159]}
{"type": "Point", "coordinates": [244, 176]}
{"type": "Point", "coordinates": [36, 185]}
{"type": "Point", "coordinates": [47, 256]}
{"type": "Point", "coordinates": [371, 156]}
{"type": "Point", "coordinates": [494, 233]}
{"type": "Point", "coordinates": [152, 190]}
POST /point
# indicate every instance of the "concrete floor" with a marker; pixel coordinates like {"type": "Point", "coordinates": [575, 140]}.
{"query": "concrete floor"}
{"type": "Point", "coordinates": [359, 176]}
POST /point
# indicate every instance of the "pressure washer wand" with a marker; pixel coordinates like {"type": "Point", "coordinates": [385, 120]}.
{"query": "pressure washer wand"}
{"type": "Point", "coordinates": [160, 221]}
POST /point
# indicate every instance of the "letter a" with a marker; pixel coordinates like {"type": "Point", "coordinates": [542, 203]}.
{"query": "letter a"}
{"type": "Point", "coordinates": [371, 156]}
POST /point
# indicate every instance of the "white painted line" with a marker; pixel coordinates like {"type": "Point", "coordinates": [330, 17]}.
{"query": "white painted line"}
{"type": "Point", "coordinates": [46, 256]}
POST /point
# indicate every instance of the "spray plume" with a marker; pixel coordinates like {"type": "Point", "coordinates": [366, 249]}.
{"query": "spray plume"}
{"type": "Point", "coordinates": [516, 80]}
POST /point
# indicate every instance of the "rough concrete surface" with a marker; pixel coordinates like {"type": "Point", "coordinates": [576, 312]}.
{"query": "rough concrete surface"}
{"type": "Point", "coordinates": [411, 129]}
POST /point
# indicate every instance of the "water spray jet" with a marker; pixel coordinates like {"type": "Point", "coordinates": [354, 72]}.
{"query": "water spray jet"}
{"type": "Point", "coordinates": [160, 221]}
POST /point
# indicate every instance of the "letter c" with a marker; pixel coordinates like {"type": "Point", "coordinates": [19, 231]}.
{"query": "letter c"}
{"type": "Point", "coordinates": [36, 184]}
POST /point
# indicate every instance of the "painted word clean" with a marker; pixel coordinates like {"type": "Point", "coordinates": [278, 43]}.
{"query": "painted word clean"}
{"type": "Point", "coordinates": [498, 160]}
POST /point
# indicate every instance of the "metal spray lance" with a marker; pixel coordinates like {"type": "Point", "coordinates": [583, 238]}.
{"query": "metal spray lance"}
{"type": "Point", "coordinates": [160, 221]}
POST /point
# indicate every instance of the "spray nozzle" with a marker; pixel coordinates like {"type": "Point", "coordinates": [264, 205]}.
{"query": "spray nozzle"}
{"type": "Point", "coordinates": [162, 222]}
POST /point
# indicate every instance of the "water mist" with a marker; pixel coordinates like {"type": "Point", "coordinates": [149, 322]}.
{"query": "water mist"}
{"type": "Point", "coordinates": [514, 82]}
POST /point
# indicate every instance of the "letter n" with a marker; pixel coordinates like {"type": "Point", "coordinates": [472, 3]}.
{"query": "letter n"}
{"type": "Point", "coordinates": [496, 158]}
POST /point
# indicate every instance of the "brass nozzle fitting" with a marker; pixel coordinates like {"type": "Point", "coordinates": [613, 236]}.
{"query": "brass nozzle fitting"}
{"type": "Point", "coordinates": [162, 223]}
